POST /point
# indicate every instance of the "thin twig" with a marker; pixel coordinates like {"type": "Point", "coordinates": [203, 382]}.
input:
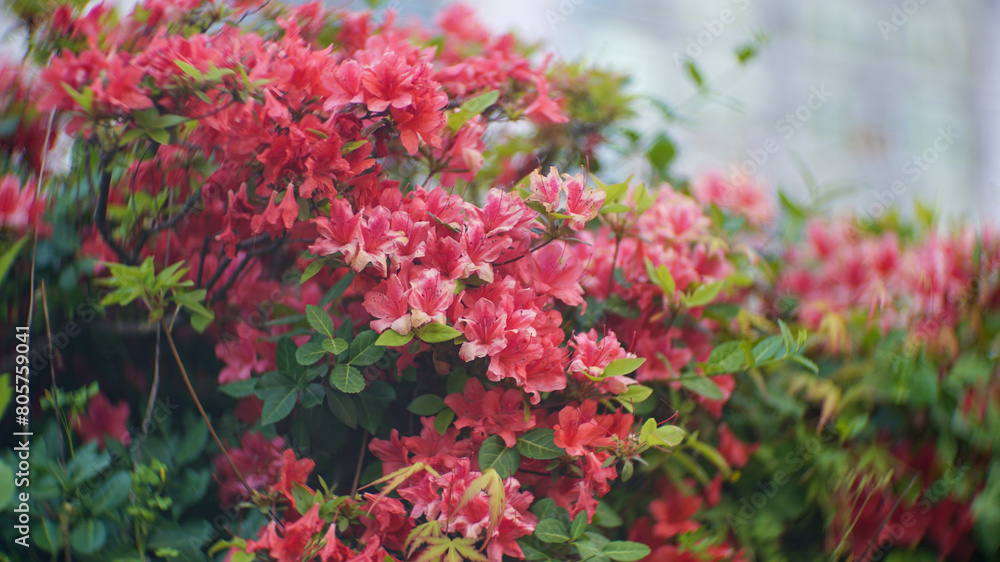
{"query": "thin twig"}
{"type": "Point", "coordinates": [201, 410]}
{"type": "Point", "coordinates": [887, 517]}
{"type": "Point", "coordinates": [357, 469]}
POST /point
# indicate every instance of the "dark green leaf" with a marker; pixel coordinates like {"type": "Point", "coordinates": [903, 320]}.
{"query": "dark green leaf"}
{"type": "Point", "coordinates": [338, 289]}
{"type": "Point", "coordinates": [539, 444]}
{"type": "Point", "coordinates": [551, 531]}
{"type": "Point", "coordinates": [347, 378]}
{"type": "Point", "coordinates": [363, 350]}
{"type": "Point", "coordinates": [495, 454]}
{"type": "Point", "coordinates": [239, 389]}
{"type": "Point", "coordinates": [277, 406]}
{"type": "Point", "coordinates": [310, 353]}
{"type": "Point", "coordinates": [426, 405]}
{"type": "Point", "coordinates": [111, 494]}
{"type": "Point", "coordinates": [704, 386]}
{"type": "Point", "coordinates": [320, 321]}
{"type": "Point", "coordinates": [87, 536]}
{"type": "Point", "coordinates": [286, 357]}
{"type": "Point", "coordinates": [342, 406]}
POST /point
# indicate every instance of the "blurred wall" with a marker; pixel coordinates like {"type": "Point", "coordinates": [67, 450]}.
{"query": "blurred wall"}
{"type": "Point", "coordinates": [889, 100]}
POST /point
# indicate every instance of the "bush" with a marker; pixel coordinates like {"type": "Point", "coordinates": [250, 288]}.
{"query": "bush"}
{"type": "Point", "coordinates": [298, 283]}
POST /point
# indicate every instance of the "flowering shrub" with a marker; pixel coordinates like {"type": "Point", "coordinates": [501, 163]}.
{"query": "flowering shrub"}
{"type": "Point", "coordinates": [373, 268]}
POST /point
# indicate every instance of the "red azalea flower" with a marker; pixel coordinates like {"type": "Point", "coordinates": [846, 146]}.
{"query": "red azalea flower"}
{"type": "Point", "coordinates": [103, 419]}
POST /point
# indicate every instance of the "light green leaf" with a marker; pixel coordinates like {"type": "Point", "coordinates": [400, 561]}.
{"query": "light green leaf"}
{"type": "Point", "coordinates": [623, 366]}
{"type": "Point", "coordinates": [704, 386]}
{"type": "Point", "coordinates": [704, 294]}
{"type": "Point", "coordinates": [389, 338]}
{"type": "Point", "coordinates": [436, 333]}
{"type": "Point", "coordinates": [443, 420]}
{"type": "Point", "coordinates": [626, 551]}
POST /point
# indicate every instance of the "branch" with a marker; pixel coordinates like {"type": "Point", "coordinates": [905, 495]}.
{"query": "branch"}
{"type": "Point", "coordinates": [101, 213]}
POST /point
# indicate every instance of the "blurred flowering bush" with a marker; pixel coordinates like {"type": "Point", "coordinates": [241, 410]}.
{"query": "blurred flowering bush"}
{"type": "Point", "coordinates": [307, 283]}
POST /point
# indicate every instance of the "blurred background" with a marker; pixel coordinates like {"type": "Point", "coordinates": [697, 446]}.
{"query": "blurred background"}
{"type": "Point", "coordinates": [890, 99]}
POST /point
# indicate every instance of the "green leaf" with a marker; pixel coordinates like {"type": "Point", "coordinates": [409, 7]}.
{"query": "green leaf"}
{"type": "Point", "coordinates": [766, 349]}
{"type": "Point", "coordinates": [7, 259]}
{"type": "Point", "coordinates": [661, 153]}
{"type": "Point", "coordinates": [811, 366]}
{"type": "Point", "coordinates": [443, 420]}
{"type": "Point", "coordinates": [728, 357]}
{"type": "Point", "coordinates": [192, 442]}
{"type": "Point", "coordinates": [494, 454]}
{"type": "Point", "coordinates": [348, 379]}
{"type": "Point", "coordinates": [159, 135]}
{"type": "Point", "coordinates": [389, 338]}
{"type": "Point", "coordinates": [426, 405]}
{"type": "Point", "coordinates": [111, 494]}
{"type": "Point", "coordinates": [239, 389]}
{"type": "Point", "coordinates": [634, 394]}
{"type": "Point", "coordinates": [436, 333]}
{"type": "Point", "coordinates": [551, 531]}
{"type": "Point", "coordinates": [363, 349]}
{"type": "Point", "coordinates": [626, 551]}
{"type": "Point", "coordinates": [703, 386]}
{"type": "Point", "coordinates": [614, 208]}
{"type": "Point", "coordinates": [320, 321]}
{"type": "Point", "coordinates": [343, 408]}
{"type": "Point", "coordinates": [285, 357]}
{"type": "Point", "coordinates": [6, 485]}
{"type": "Point", "coordinates": [46, 536]}
{"type": "Point", "coordinates": [665, 280]}
{"type": "Point", "coordinates": [311, 270]}
{"type": "Point", "coordinates": [190, 70]}
{"type": "Point", "coordinates": [704, 294]}
{"type": "Point", "coordinates": [471, 108]}
{"type": "Point", "coordinates": [578, 526]}
{"type": "Point", "coordinates": [335, 346]}
{"type": "Point", "coordinates": [312, 396]}
{"type": "Point", "coordinates": [372, 404]}
{"type": "Point", "coordinates": [666, 435]}
{"type": "Point", "coordinates": [694, 73]}
{"type": "Point", "coordinates": [309, 353]}
{"type": "Point", "coordinates": [539, 444]}
{"type": "Point", "coordinates": [338, 288]}
{"type": "Point", "coordinates": [622, 366]}
{"type": "Point", "coordinates": [277, 406]}
{"type": "Point", "coordinates": [88, 536]}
